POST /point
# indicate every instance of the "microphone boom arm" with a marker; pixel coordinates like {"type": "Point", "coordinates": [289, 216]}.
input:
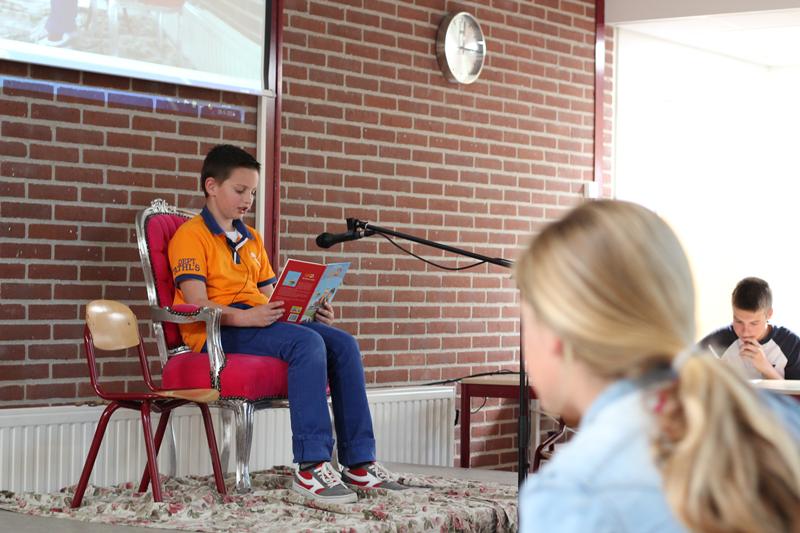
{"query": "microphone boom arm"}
{"type": "Point", "coordinates": [370, 229]}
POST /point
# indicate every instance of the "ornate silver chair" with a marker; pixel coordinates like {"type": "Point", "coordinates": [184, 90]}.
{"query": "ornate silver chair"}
{"type": "Point", "coordinates": [245, 382]}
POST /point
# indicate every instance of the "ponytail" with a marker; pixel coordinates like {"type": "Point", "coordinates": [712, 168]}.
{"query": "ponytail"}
{"type": "Point", "coordinates": [728, 463]}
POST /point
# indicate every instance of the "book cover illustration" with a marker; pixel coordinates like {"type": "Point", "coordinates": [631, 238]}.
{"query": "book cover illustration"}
{"type": "Point", "coordinates": [303, 286]}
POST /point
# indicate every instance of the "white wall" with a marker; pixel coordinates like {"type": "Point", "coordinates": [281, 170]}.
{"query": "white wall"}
{"type": "Point", "coordinates": [622, 11]}
{"type": "Point", "coordinates": [709, 143]}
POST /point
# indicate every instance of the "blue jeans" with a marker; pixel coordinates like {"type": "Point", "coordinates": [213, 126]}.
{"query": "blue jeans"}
{"type": "Point", "coordinates": [318, 356]}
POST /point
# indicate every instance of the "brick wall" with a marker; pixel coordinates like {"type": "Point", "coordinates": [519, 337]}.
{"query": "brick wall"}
{"type": "Point", "coordinates": [371, 129]}
{"type": "Point", "coordinates": [80, 154]}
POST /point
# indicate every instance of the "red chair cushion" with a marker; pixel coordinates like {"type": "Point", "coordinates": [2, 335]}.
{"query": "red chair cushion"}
{"type": "Point", "coordinates": [159, 229]}
{"type": "Point", "coordinates": [238, 378]}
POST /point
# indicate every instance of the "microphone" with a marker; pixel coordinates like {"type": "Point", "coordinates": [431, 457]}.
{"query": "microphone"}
{"type": "Point", "coordinates": [326, 240]}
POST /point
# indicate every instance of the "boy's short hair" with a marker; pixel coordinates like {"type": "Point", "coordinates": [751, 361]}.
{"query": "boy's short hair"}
{"type": "Point", "coordinates": [222, 160]}
{"type": "Point", "coordinates": [752, 294]}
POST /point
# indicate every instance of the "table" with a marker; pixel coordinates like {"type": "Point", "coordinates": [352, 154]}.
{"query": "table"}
{"type": "Point", "coordinates": [789, 387]}
{"type": "Point", "coordinates": [492, 386]}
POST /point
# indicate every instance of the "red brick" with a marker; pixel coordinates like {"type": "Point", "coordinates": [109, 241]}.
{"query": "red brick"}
{"type": "Point", "coordinates": [102, 118]}
{"type": "Point", "coordinates": [177, 182]}
{"type": "Point", "coordinates": [55, 74]}
{"type": "Point", "coordinates": [78, 213]}
{"type": "Point", "coordinates": [55, 113]}
{"type": "Point", "coordinates": [79, 174]}
{"type": "Point", "coordinates": [52, 231]}
{"type": "Point", "coordinates": [52, 312]}
{"type": "Point", "coordinates": [246, 135]}
{"type": "Point", "coordinates": [128, 178]}
{"type": "Point", "coordinates": [14, 149]}
{"type": "Point", "coordinates": [65, 291]}
{"type": "Point", "coordinates": [178, 146]}
{"type": "Point", "coordinates": [70, 370]}
{"type": "Point", "coordinates": [52, 192]}
{"type": "Point", "coordinates": [12, 312]}
{"type": "Point", "coordinates": [12, 68]}
{"type": "Point", "coordinates": [120, 215]}
{"type": "Point", "coordinates": [391, 376]}
{"type": "Point", "coordinates": [142, 123]}
{"type": "Point", "coordinates": [130, 255]}
{"type": "Point", "coordinates": [50, 271]}
{"type": "Point", "coordinates": [12, 230]}
{"type": "Point", "coordinates": [79, 95]}
{"type": "Point", "coordinates": [15, 332]}
{"type": "Point", "coordinates": [26, 131]}
{"type": "Point", "coordinates": [127, 140]}
{"type": "Point", "coordinates": [160, 162]}
{"type": "Point", "coordinates": [54, 153]}
{"type": "Point", "coordinates": [78, 253]}
{"type": "Point", "coordinates": [114, 292]}
{"type": "Point", "coordinates": [120, 368]}
{"type": "Point", "coordinates": [25, 210]}
{"type": "Point", "coordinates": [103, 273]}
{"type": "Point", "coordinates": [104, 234]}
{"type": "Point", "coordinates": [25, 291]}
{"type": "Point", "coordinates": [106, 157]}
{"type": "Point", "coordinates": [50, 391]}
{"type": "Point", "coordinates": [28, 89]}
{"type": "Point", "coordinates": [67, 331]}
{"type": "Point", "coordinates": [94, 79]}
{"type": "Point", "coordinates": [26, 170]}
{"type": "Point", "coordinates": [79, 136]}
{"type": "Point", "coordinates": [53, 351]}
{"type": "Point", "coordinates": [11, 393]}
{"type": "Point", "coordinates": [191, 166]}
{"type": "Point", "coordinates": [199, 129]}
{"type": "Point", "coordinates": [13, 109]}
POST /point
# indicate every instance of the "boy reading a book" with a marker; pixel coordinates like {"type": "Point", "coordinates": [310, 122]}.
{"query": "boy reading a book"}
{"type": "Point", "coordinates": [759, 349]}
{"type": "Point", "coordinates": [218, 261]}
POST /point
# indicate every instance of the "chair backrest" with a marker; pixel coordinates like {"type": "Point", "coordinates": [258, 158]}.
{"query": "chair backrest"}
{"type": "Point", "coordinates": [112, 324]}
{"type": "Point", "coordinates": [155, 226]}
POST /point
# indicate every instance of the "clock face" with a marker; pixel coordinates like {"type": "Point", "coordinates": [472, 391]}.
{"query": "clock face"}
{"type": "Point", "coordinates": [460, 48]}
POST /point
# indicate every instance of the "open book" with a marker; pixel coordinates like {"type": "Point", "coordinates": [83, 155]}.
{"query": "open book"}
{"type": "Point", "coordinates": [303, 286]}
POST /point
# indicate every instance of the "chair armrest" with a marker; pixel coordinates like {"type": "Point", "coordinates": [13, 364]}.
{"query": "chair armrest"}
{"type": "Point", "coordinates": [187, 314]}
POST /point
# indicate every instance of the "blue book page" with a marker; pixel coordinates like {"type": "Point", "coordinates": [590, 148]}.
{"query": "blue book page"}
{"type": "Point", "coordinates": [326, 289]}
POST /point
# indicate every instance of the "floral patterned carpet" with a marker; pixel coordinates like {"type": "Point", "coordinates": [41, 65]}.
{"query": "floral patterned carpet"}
{"type": "Point", "coordinates": [192, 504]}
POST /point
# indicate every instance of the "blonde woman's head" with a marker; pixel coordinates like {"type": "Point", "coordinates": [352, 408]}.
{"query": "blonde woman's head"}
{"type": "Point", "coordinates": [612, 282]}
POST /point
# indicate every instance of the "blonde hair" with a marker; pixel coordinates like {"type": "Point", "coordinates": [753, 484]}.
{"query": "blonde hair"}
{"type": "Point", "coordinates": [612, 281]}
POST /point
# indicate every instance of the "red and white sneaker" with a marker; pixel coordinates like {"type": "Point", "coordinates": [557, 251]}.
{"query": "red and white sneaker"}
{"type": "Point", "coordinates": [323, 484]}
{"type": "Point", "coordinates": [370, 476]}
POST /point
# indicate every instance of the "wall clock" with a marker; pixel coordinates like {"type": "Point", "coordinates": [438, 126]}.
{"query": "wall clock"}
{"type": "Point", "coordinates": [460, 47]}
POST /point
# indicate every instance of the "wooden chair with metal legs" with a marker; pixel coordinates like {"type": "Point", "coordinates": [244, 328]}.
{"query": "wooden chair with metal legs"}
{"type": "Point", "coordinates": [112, 326]}
{"type": "Point", "coordinates": [546, 449]}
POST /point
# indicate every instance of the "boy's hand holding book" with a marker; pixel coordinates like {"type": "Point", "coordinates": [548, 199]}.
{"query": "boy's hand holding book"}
{"type": "Point", "coordinates": [261, 315]}
{"type": "Point", "coordinates": [325, 313]}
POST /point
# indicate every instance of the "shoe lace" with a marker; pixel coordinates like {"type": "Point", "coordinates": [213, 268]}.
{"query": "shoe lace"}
{"type": "Point", "coordinates": [381, 472]}
{"type": "Point", "coordinates": [327, 474]}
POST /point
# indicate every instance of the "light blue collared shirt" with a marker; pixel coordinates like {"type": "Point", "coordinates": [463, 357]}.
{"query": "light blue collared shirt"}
{"type": "Point", "coordinates": [605, 478]}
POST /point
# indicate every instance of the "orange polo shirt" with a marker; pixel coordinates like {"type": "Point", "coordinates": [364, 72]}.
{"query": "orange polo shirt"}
{"type": "Point", "coordinates": [232, 271]}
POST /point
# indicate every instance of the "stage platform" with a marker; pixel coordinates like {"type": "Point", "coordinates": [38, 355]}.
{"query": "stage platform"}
{"type": "Point", "coordinates": [469, 499]}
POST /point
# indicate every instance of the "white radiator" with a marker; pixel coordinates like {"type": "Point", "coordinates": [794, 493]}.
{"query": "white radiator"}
{"type": "Point", "coordinates": [43, 448]}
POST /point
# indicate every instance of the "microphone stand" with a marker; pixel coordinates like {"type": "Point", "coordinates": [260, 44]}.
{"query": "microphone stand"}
{"type": "Point", "coordinates": [365, 229]}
